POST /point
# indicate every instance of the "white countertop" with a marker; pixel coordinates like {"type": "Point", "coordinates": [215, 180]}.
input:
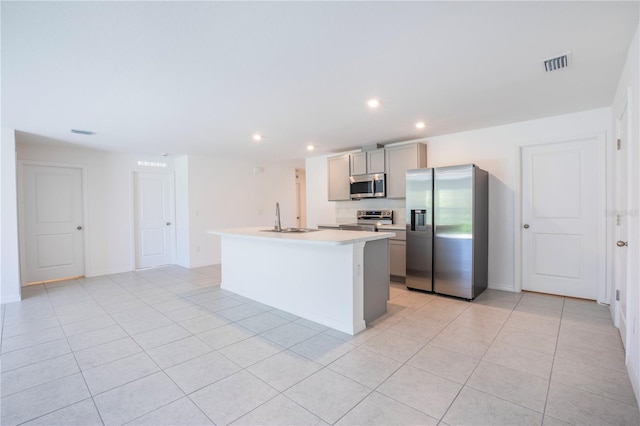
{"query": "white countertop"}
{"type": "Point", "coordinates": [323, 236]}
{"type": "Point", "coordinates": [394, 227]}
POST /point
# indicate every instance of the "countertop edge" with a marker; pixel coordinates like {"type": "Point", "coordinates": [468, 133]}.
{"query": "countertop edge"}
{"type": "Point", "coordinates": [252, 233]}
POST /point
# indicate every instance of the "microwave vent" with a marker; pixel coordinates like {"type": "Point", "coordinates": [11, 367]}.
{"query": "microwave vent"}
{"type": "Point", "coordinates": [372, 147]}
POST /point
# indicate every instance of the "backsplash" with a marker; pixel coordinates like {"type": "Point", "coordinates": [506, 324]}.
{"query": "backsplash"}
{"type": "Point", "coordinates": [346, 210]}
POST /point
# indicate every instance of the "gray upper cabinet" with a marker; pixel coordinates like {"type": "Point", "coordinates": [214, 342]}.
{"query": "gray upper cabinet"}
{"type": "Point", "coordinates": [375, 161]}
{"type": "Point", "coordinates": [399, 159]}
{"type": "Point", "coordinates": [367, 162]}
{"type": "Point", "coordinates": [338, 171]}
{"type": "Point", "coordinates": [358, 163]}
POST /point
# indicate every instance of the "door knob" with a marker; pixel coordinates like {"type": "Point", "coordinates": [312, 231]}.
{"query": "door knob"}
{"type": "Point", "coordinates": [79, 228]}
{"type": "Point", "coordinates": [622, 244]}
{"type": "Point", "coordinates": [526, 226]}
{"type": "Point", "coordinates": [168, 223]}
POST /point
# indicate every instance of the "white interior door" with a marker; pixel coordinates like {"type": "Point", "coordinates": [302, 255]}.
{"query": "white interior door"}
{"type": "Point", "coordinates": [154, 228]}
{"type": "Point", "coordinates": [52, 214]}
{"type": "Point", "coordinates": [560, 218]}
{"type": "Point", "coordinates": [621, 219]}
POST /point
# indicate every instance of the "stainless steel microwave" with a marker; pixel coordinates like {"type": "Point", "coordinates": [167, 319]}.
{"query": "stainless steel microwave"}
{"type": "Point", "coordinates": [368, 186]}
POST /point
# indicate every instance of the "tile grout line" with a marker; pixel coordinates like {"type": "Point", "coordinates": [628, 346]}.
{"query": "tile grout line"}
{"type": "Point", "coordinates": [323, 367]}
{"type": "Point", "coordinates": [403, 364]}
{"type": "Point", "coordinates": [553, 361]}
{"type": "Point", "coordinates": [76, 360]}
{"type": "Point", "coordinates": [160, 369]}
{"type": "Point", "coordinates": [215, 351]}
{"type": "Point", "coordinates": [73, 351]}
{"type": "Point", "coordinates": [476, 366]}
{"type": "Point", "coordinates": [92, 396]}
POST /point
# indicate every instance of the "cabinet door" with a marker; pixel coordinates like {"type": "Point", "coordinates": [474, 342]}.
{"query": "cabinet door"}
{"type": "Point", "coordinates": [338, 171]}
{"type": "Point", "coordinates": [398, 258]}
{"type": "Point", "coordinates": [399, 159]}
{"type": "Point", "coordinates": [358, 163]}
{"type": "Point", "coordinates": [375, 161]}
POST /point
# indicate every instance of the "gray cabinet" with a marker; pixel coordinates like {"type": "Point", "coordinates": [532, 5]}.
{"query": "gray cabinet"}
{"type": "Point", "coordinates": [398, 256]}
{"type": "Point", "coordinates": [358, 161]}
{"type": "Point", "coordinates": [375, 161]}
{"type": "Point", "coordinates": [338, 175]}
{"type": "Point", "coordinates": [367, 162]}
{"type": "Point", "coordinates": [398, 160]}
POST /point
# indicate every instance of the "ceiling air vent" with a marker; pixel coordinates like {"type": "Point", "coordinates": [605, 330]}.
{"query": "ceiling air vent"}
{"type": "Point", "coordinates": [556, 63]}
{"type": "Point", "coordinates": [83, 132]}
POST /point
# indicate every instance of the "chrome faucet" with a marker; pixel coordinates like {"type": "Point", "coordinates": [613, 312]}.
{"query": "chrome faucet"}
{"type": "Point", "coordinates": [277, 227]}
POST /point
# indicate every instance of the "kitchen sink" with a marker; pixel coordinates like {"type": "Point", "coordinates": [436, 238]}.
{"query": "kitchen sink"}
{"type": "Point", "coordinates": [290, 230]}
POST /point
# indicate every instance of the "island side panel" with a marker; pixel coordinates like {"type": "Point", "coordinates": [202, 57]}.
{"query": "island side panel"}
{"type": "Point", "coordinates": [376, 279]}
{"type": "Point", "coordinates": [322, 283]}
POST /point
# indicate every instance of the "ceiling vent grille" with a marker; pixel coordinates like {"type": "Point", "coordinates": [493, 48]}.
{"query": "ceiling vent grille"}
{"type": "Point", "coordinates": [83, 132]}
{"type": "Point", "coordinates": [556, 63]}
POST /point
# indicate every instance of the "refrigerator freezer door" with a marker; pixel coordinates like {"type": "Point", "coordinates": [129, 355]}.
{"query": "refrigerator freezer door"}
{"type": "Point", "coordinates": [453, 245]}
{"type": "Point", "coordinates": [419, 211]}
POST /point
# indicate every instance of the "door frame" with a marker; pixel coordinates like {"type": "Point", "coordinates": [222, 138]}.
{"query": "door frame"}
{"type": "Point", "coordinates": [132, 183]}
{"type": "Point", "coordinates": [603, 290]}
{"type": "Point", "coordinates": [615, 311]}
{"type": "Point", "coordinates": [85, 215]}
{"type": "Point", "coordinates": [301, 197]}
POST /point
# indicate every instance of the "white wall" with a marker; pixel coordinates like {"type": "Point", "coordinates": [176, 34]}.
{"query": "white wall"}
{"type": "Point", "coordinates": [494, 149]}
{"type": "Point", "coordinates": [630, 81]}
{"type": "Point", "coordinates": [183, 255]}
{"type": "Point", "coordinates": [226, 193]}
{"type": "Point", "coordinates": [319, 210]}
{"type": "Point", "coordinates": [109, 231]}
{"type": "Point", "coordinates": [9, 261]}
{"type": "Point", "coordinates": [210, 193]}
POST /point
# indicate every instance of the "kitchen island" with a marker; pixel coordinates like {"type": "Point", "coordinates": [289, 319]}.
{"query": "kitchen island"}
{"type": "Point", "coordinates": [336, 278]}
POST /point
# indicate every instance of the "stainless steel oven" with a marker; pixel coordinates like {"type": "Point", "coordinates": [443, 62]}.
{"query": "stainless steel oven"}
{"type": "Point", "coordinates": [369, 220]}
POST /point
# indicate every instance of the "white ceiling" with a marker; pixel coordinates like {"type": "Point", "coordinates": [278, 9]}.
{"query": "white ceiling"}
{"type": "Point", "coordinates": [201, 78]}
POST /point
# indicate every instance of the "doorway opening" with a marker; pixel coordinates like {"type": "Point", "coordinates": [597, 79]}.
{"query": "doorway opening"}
{"type": "Point", "coordinates": [301, 198]}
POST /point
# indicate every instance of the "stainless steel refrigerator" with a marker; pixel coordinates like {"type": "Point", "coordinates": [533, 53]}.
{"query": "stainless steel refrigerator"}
{"type": "Point", "coordinates": [449, 253]}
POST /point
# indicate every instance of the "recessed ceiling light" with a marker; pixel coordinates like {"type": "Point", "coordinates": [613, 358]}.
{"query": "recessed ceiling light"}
{"type": "Point", "coordinates": [165, 154]}
{"type": "Point", "coordinates": [310, 147]}
{"type": "Point", "coordinates": [420, 125]}
{"type": "Point", "coordinates": [83, 132]}
{"type": "Point", "coordinates": [373, 103]}
{"type": "Point", "coordinates": [257, 137]}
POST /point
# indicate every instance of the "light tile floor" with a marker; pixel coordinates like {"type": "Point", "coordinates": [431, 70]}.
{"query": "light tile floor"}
{"type": "Point", "coordinates": [167, 346]}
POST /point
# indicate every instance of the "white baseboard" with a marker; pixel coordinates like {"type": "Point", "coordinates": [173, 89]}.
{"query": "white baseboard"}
{"type": "Point", "coordinates": [201, 264]}
{"type": "Point", "coordinates": [503, 287]}
{"type": "Point", "coordinates": [633, 376]}
{"type": "Point", "coordinates": [110, 271]}
{"type": "Point", "coordinates": [10, 299]}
